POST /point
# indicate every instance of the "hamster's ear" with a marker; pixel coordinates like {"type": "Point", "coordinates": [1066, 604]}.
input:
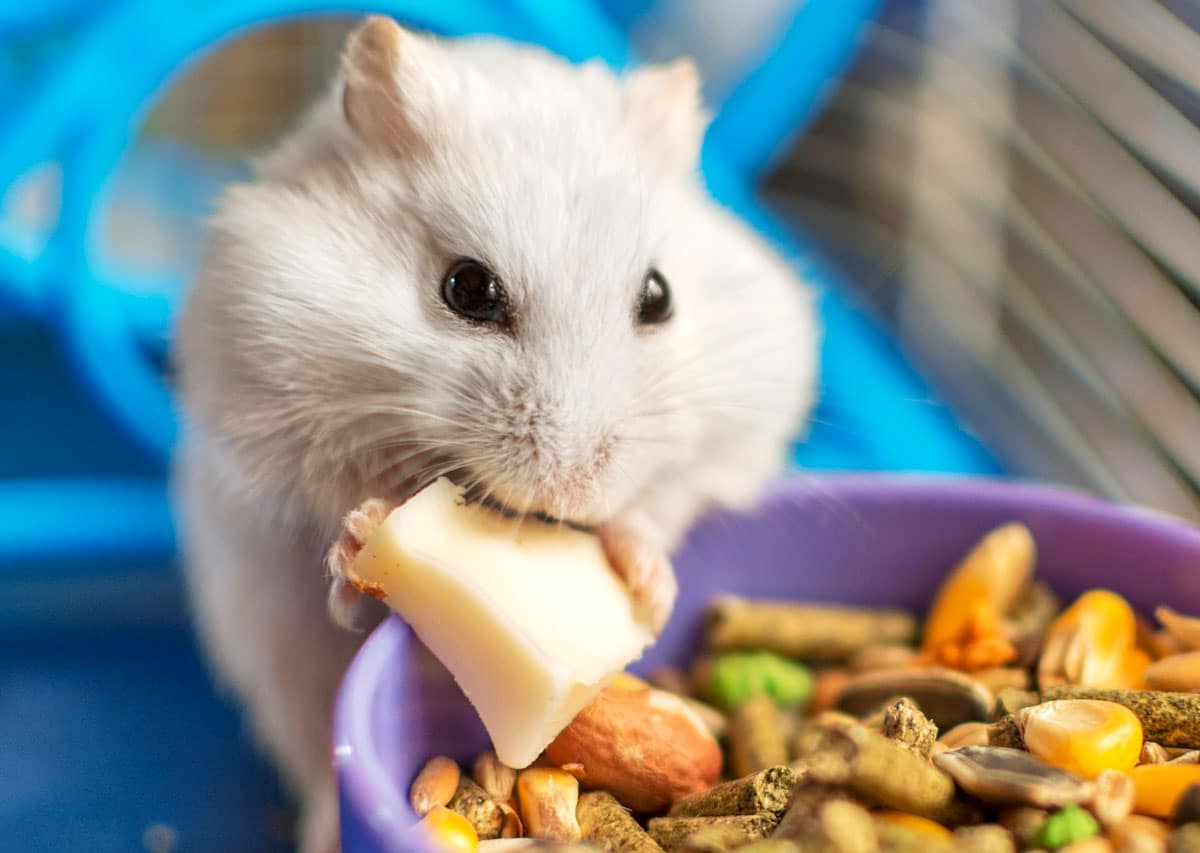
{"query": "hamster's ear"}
{"type": "Point", "coordinates": [663, 103]}
{"type": "Point", "coordinates": [387, 96]}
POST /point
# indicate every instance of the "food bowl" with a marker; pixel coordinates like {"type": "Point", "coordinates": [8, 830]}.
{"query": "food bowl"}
{"type": "Point", "coordinates": [865, 540]}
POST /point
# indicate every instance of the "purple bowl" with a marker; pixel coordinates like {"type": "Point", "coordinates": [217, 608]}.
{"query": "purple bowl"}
{"type": "Point", "coordinates": [866, 540]}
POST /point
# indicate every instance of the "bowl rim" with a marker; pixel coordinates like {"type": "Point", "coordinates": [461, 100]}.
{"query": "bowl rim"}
{"type": "Point", "coordinates": [378, 798]}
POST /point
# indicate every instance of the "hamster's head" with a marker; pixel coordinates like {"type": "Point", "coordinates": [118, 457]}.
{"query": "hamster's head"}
{"type": "Point", "coordinates": [478, 260]}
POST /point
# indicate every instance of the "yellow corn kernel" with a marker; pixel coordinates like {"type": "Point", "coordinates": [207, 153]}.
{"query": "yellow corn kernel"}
{"type": "Point", "coordinates": [450, 831]}
{"type": "Point", "coordinates": [1090, 644]}
{"type": "Point", "coordinates": [996, 571]}
{"type": "Point", "coordinates": [1083, 736]}
{"type": "Point", "coordinates": [548, 798]}
{"type": "Point", "coordinates": [1157, 787]}
{"type": "Point", "coordinates": [922, 826]}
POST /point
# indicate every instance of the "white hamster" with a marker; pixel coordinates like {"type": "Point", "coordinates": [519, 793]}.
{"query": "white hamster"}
{"type": "Point", "coordinates": [474, 259]}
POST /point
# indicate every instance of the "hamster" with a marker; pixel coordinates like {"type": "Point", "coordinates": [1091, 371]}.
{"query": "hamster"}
{"type": "Point", "coordinates": [471, 259]}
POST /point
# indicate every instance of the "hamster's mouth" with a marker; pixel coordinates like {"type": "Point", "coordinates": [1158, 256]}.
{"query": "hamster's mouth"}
{"type": "Point", "coordinates": [478, 494]}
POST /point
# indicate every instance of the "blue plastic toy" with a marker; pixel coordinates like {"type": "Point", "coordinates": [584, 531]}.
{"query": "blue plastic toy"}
{"type": "Point", "coordinates": [875, 412]}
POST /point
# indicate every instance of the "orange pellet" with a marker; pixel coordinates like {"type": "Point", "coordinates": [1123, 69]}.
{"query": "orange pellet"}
{"type": "Point", "coordinates": [916, 824]}
{"type": "Point", "coordinates": [995, 571]}
{"type": "Point", "coordinates": [980, 644]}
{"type": "Point", "coordinates": [1083, 736]}
{"type": "Point", "coordinates": [1157, 787]}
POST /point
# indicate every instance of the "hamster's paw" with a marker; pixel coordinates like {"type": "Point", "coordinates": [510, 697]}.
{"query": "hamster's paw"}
{"type": "Point", "coordinates": [346, 603]}
{"type": "Point", "coordinates": [646, 571]}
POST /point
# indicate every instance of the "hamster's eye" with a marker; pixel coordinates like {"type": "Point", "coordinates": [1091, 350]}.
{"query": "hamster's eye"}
{"type": "Point", "coordinates": [472, 290]}
{"type": "Point", "coordinates": [654, 301]}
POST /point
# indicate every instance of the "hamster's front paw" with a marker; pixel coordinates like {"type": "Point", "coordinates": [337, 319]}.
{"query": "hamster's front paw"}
{"type": "Point", "coordinates": [346, 602]}
{"type": "Point", "coordinates": [645, 569]}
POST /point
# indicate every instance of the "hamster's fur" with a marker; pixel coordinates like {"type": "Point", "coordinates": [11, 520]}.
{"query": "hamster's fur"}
{"type": "Point", "coordinates": [319, 365]}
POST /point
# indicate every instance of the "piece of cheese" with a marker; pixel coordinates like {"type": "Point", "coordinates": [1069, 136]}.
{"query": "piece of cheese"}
{"type": "Point", "coordinates": [528, 617]}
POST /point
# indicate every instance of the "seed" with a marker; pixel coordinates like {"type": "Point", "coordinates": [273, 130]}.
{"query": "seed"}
{"type": "Point", "coordinates": [946, 696]}
{"type": "Point", "coordinates": [1153, 753]}
{"type": "Point", "coordinates": [512, 826]}
{"type": "Point", "coordinates": [984, 838]}
{"type": "Point", "coordinates": [1185, 629]}
{"type": "Point", "coordinates": [1023, 822]}
{"type": "Point", "coordinates": [548, 799]}
{"type": "Point", "coordinates": [434, 786]}
{"type": "Point", "coordinates": [1178, 672]}
{"type": "Point", "coordinates": [1091, 644]}
{"type": "Point", "coordinates": [494, 776]}
{"type": "Point", "coordinates": [1012, 777]}
{"type": "Point", "coordinates": [1158, 787]}
{"type": "Point", "coordinates": [965, 734]}
{"type": "Point", "coordinates": [451, 832]}
{"type": "Point", "coordinates": [1113, 800]}
{"type": "Point", "coordinates": [1082, 736]}
{"type": "Point", "coordinates": [1139, 834]}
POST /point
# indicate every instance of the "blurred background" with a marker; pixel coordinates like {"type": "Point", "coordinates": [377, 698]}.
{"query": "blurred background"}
{"type": "Point", "coordinates": [999, 198]}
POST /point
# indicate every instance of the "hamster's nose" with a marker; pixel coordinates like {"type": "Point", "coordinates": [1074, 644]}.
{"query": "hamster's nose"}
{"type": "Point", "coordinates": [574, 491]}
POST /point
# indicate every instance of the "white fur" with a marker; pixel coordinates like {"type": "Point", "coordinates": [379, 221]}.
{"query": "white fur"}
{"type": "Point", "coordinates": [319, 365]}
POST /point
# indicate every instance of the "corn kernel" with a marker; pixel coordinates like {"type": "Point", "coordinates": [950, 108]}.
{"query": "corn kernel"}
{"type": "Point", "coordinates": [1083, 736]}
{"type": "Point", "coordinates": [1157, 787]}
{"type": "Point", "coordinates": [450, 831]}
{"type": "Point", "coordinates": [1091, 644]}
{"type": "Point", "coordinates": [548, 798]}
{"type": "Point", "coordinates": [995, 571]}
{"type": "Point", "coordinates": [922, 826]}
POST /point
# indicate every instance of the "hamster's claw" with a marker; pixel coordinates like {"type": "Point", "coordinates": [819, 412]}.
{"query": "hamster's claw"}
{"type": "Point", "coordinates": [346, 604]}
{"type": "Point", "coordinates": [646, 571]}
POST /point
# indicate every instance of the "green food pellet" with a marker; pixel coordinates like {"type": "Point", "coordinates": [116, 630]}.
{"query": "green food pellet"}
{"type": "Point", "coordinates": [1064, 827]}
{"type": "Point", "coordinates": [738, 676]}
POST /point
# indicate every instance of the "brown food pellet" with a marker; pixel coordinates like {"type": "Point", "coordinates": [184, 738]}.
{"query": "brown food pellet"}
{"type": "Point", "coordinates": [765, 791]}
